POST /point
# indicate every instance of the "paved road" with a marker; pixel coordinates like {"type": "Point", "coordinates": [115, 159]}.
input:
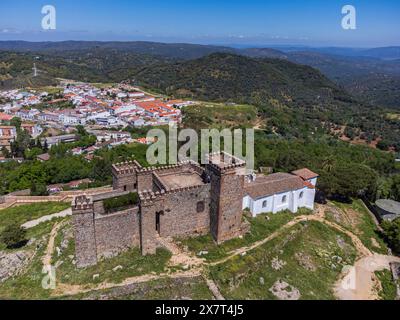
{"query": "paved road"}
{"type": "Point", "coordinates": [34, 223]}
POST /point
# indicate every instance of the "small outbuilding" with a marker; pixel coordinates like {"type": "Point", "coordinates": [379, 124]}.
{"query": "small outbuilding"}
{"type": "Point", "coordinates": [388, 209]}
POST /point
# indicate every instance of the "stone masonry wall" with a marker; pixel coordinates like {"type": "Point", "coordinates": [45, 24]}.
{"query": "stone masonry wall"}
{"type": "Point", "coordinates": [226, 203]}
{"type": "Point", "coordinates": [230, 206]}
{"type": "Point", "coordinates": [116, 232]}
{"type": "Point", "coordinates": [85, 240]}
{"type": "Point", "coordinates": [180, 215]}
{"type": "Point", "coordinates": [144, 181]}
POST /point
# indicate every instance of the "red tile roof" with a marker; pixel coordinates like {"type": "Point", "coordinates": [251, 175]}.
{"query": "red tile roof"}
{"type": "Point", "coordinates": [305, 174]}
{"type": "Point", "coordinates": [5, 117]}
{"type": "Point", "coordinates": [273, 184]}
{"type": "Point", "coordinates": [156, 106]}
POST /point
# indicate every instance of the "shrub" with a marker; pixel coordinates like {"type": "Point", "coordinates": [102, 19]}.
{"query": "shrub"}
{"type": "Point", "coordinates": [39, 189]}
{"type": "Point", "coordinates": [13, 236]}
{"type": "Point", "coordinates": [116, 203]}
{"type": "Point", "coordinates": [391, 232]}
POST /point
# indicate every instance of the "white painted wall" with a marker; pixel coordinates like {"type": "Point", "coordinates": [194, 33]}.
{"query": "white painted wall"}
{"type": "Point", "coordinates": [276, 203]}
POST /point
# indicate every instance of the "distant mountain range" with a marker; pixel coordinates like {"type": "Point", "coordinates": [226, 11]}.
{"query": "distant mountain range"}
{"type": "Point", "coordinates": [292, 96]}
{"type": "Point", "coordinates": [372, 75]}
{"type": "Point", "coordinates": [192, 51]}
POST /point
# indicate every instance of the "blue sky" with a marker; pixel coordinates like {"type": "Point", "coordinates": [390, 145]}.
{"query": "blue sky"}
{"type": "Point", "coordinates": [251, 22]}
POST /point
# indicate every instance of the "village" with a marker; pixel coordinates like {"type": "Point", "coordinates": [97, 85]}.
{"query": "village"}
{"type": "Point", "coordinates": [62, 109]}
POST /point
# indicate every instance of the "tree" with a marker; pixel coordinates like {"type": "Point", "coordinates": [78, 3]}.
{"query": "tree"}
{"type": "Point", "coordinates": [13, 236]}
{"type": "Point", "coordinates": [16, 122]}
{"type": "Point", "coordinates": [391, 232]}
{"type": "Point", "coordinates": [395, 192]}
{"type": "Point", "coordinates": [383, 145]}
{"type": "Point", "coordinates": [101, 169]}
{"type": "Point", "coordinates": [81, 131]}
{"type": "Point", "coordinates": [349, 180]}
{"type": "Point", "coordinates": [45, 146]}
{"type": "Point", "coordinates": [38, 189]}
{"type": "Point", "coordinates": [5, 152]}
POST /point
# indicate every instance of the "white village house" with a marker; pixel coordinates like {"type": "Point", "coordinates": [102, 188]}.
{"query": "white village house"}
{"type": "Point", "coordinates": [280, 191]}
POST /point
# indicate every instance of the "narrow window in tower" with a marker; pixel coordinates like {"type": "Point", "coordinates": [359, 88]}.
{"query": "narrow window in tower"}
{"type": "Point", "coordinates": [200, 206]}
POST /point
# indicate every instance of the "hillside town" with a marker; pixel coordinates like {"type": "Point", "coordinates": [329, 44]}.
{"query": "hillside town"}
{"type": "Point", "coordinates": [72, 104]}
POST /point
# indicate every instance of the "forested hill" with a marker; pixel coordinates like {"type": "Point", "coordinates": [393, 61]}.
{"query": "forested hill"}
{"type": "Point", "coordinates": [166, 50]}
{"type": "Point", "coordinates": [229, 77]}
{"type": "Point", "coordinates": [293, 99]}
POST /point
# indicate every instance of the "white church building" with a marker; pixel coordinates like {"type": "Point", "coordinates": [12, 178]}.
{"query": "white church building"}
{"type": "Point", "coordinates": [280, 191]}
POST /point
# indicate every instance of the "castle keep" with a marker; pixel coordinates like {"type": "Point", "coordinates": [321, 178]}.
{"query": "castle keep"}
{"type": "Point", "coordinates": [182, 200]}
{"type": "Point", "coordinates": [174, 201]}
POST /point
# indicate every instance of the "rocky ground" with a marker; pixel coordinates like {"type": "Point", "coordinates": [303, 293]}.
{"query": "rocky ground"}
{"type": "Point", "coordinates": [12, 263]}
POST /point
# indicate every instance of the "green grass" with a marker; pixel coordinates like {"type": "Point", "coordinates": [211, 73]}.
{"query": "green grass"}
{"type": "Point", "coordinates": [239, 277]}
{"type": "Point", "coordinates": [133, 263]}
{"type": "Point", "coordinates": [366, 228]}
{"type": "Point", "coordinates": [261, 228]}
{"type": "Point", "coordinates": [388, 291]}
{"type": "Point", "coordinates": [216, 115]}
{"type": "Point", "coordinates": [161, 289]}
{"type": "Point", "coordinates": [28, 285]}
{"type": "Point", "coordinates": [25, 213]}
{"type": "Point", "coordinates": [393, 116]}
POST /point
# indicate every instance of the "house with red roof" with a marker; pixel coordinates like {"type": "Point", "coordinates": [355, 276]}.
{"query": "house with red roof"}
{"type": "Point", "coordinates": [159, 110]}
{"type": "Point", "coordinates": [5, 117]}
{"type": "Point", "coordinates": [280, 191]}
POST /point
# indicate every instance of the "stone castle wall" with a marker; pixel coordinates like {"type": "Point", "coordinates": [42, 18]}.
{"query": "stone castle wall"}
{"type": "Point", "coordinates": [186, 213]}
{"type": "Point", "coordinates": [83, 223]}
{"type": "Point", "coordinates": [215, 205]}
{"type": "Point", "coordinates": [116, 232]}
{"type": "Point", "coordinates": [100, 235]}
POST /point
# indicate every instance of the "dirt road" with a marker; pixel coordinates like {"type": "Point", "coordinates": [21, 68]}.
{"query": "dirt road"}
{"type": "Point", "coordinates": [359, 281]}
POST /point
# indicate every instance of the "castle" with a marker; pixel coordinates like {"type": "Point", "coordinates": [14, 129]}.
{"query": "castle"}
{"type": "Point", "coordinates": [181, 200]}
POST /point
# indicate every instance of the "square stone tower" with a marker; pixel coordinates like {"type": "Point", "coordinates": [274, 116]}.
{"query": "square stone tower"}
{"type": "Point", "coordinates": [84, 231]}
{"type": "Point", "coordinates": [227, 174]}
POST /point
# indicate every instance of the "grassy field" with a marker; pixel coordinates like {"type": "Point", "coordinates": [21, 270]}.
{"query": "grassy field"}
{"type": "Point", "coordinates": [50, 90]}
{"type": "Point", "coordinates": [356, 218]}
{"type": "Point", "coordinates": [308, 256]}
{"type": "Point", "coordinates": [131, 261]}
{"type": "Point", "coordinates": [28, 285]}
{"type": "Point", "coordinates": [219, 116]}
{"type": "Point", "coordinates": [393, 116]}
{"type": "Point", "coordinates": [261, 227]}
{"type": "Point", "coordinates": [388, 287]}
{"type": "Point", "coordinates": [24, 213]}
{"type": "Point", "coordinates": [162, 289]}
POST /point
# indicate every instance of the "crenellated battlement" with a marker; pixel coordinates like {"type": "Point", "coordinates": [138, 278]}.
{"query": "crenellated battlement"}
{"type": "Point", "coordinates": [221, 162]}
{"type": "Point", "coordinates": [127, 167]}
{"type": "Point", "coordinates": [147, 196]}
{"type": "Point", "coordinates": [82, 202]}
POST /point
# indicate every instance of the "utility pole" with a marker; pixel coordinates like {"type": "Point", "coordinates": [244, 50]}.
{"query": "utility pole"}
{"type": "Point", "coordinates": [34, 70]}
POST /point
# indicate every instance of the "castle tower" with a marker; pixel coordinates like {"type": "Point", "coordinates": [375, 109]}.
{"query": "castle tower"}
{"type": "Point", "coordinates": [85, 239]}
{"type": "Point", "coordinates": [125, 176]}
{"type": "Point", "coordinates": [227, 186]}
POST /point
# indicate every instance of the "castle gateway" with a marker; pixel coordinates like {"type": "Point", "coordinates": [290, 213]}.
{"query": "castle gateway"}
{"type": "Point", "coordinates": [182, 200]}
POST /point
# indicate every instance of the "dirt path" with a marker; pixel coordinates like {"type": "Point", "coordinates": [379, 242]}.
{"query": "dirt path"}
{"type": "Point", "coordinates": [179, 257]}
{"type": "Point", "coordinates": [64, 289]}
{"type": "Point", "coordinates": [257, 244]}
{"type": "Point", "coordinates": [34, 223]}
{"type": "Point", "coordinates": [318, 216]}
{"type": "Point", "coordinates": [361, 274]}
{"type": "Point", "coordinates": [50, 245]}
{"type": "Point", "coordinates": [214, 289]}
{"type": "Point", "coordinates": [359, 281]}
